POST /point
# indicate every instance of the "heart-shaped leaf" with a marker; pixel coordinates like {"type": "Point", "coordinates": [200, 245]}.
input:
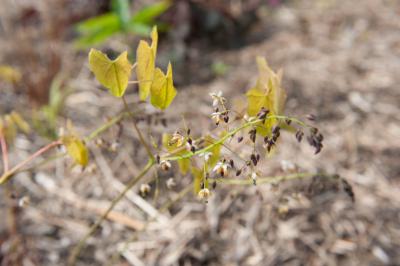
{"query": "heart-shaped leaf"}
{"type": "Point", "coordinates": [112, 74]}
{"type": "Point", "coordinates": [162, 89]}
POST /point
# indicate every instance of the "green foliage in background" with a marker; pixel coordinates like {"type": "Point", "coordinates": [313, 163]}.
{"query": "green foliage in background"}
{"type": "Point", "coordinates": [45, 119]}
{"type": "Point", "coordinates": [98, 29]}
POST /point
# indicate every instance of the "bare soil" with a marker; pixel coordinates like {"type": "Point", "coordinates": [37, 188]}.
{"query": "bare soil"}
{"type": "Point", "coordinates": [341, 62]}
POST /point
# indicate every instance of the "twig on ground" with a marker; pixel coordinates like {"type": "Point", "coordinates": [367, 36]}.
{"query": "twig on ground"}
{"type": "Point", "coordinates": [76, 251]}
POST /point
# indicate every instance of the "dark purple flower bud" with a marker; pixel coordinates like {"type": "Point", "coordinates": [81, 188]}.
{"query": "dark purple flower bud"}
{"type": "Point", "coordinates": [253, 159]}
{"type": "Point", "coordinates": [226, 118]}
{"type": "Point", "coordinates": [299, 135]}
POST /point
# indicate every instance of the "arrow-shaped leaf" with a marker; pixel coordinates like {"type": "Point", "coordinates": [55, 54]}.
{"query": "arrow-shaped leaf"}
{"type": "Point", "coordinates": [145, 56]}
{"type": "Point", "coordinates": [162, 88]}
{"type": "Point", "coordinates": [112, 74]}
{"type": "Point", "coordinates": [267, 93]}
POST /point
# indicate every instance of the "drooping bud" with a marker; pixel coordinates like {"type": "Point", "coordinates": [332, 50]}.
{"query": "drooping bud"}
{"type": "Point", "coordinates": [165, 165]}
{"type": "Point", "coordinates": [299, 135]}
{"type": "Point", "coordinates": [145, 189]}
{"type": "Point", "coordinates": [204, 194]}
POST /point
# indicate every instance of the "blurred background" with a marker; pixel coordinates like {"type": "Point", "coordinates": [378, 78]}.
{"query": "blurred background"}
{"type": "Point", "coordinates": [341, 62]}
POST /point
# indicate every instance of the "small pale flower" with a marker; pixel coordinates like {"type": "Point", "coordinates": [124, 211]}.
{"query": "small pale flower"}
{"type": "Point", "coordinates": [145, 189]}
{"type": "Point", "coordinates": [221, 168]}
{"type": "Point", "coordinates": [177, 139]}
{"type": "Point", "coordinates": [217, 98]}
{"type": "Point", "coordinates": [216, 117]}
{"type": "Point", "coordinates": [204, 194]}
{"type": "Point", "coordinates": [165, 165]}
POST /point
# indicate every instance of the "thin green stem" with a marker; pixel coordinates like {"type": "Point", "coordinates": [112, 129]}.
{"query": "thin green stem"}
{"type": "Point", "coordinates": [230, 134]}
{"type": "Point", "coordinates": [209, 147]}
{"type": "Point", "coordinates": [93, 135]}
{"type": "Point", "coordinates": [140, 135]}
{"type": "Point", "coordinates": [271, 179]}
{"type": "Point", "coordinates": [106, 126]}
{"type": "Point", "coordinates": [77, 249]}
{"type": "Point", "coordinates": [205, 174]}
{"type": "Point", "coordinates": [180, 195]}
{"type": "Point", "coordinates": [263, 180]}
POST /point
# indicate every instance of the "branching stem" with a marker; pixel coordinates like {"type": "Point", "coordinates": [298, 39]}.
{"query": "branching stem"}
{"type": "Point", "coordinates": [8, 174]}
{"type": "Point", "coordinates": [230, 134]}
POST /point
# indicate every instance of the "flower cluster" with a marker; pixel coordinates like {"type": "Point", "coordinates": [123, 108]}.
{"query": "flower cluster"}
{"type": "Point", "coordinates": [315, 138]}
{"type": "Point", "coordinates": [207, 158]}
{"type": "Point", "coordinates": [222, 168]}
{"type": "Point", "coordinates": [220, 114]}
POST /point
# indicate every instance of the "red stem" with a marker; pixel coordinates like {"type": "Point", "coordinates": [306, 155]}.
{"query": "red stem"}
{"type": "Point", "coordinates": [12, 171]}
{"type": "Point", "coordinates": [4, 152]}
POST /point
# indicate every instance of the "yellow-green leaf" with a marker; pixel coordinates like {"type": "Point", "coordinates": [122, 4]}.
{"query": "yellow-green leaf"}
{"type": "Point", "coordinates": [184, 165]}
{"type": "Point", "coordinates": [77, 150]}
{"type": "Point", "coordinates": [11, 124]}
{"type": "Point", "coordinates": [215, 151]}
{"type": "Point", "coordinates": [198, 176]}
{"type": "Point", "coordinates": [10, 130]}
{"type": "Point", "coordinates": [112, 74]}
{"type": "Point", "coordinates": [162, 89]}
{"type": "Point", "coordinates": [20, 122]}
{"type": "Point", "coordinates": [267, 93]}
{"type": "Point", "coordinates": [154, 40]}
{"type": "Point", "coordinates": [145, 57]}
{"type": "Point", "coordinates": [256, 99]}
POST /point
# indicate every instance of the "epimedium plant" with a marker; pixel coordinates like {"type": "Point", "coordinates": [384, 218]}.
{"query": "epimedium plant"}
{"type": "Point", "coordinates": [210, 158]}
